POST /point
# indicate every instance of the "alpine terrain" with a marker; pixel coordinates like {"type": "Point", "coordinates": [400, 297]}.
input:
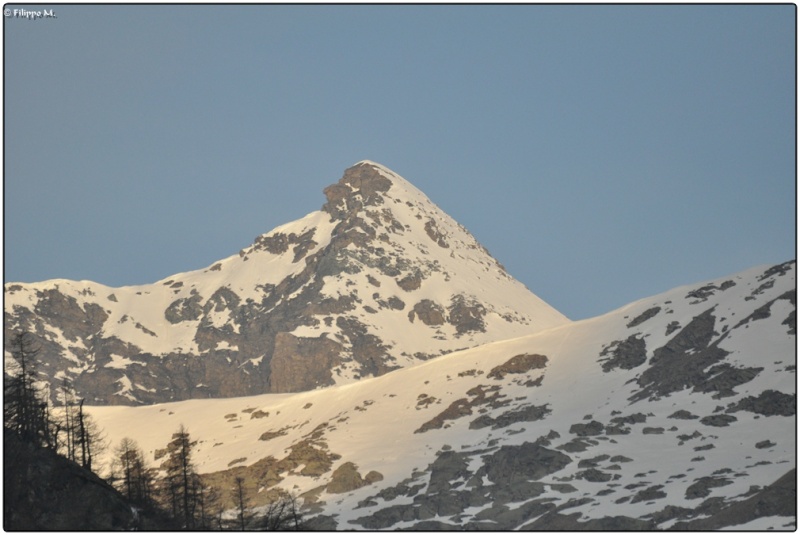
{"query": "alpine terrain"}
{"type": "Point", "coordinates": [378, 279]}
{"type": "Point", "coordinates": [373, 361]}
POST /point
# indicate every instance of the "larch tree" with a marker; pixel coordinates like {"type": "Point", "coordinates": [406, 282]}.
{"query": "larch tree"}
{"type": "Point", "coordinates": [25, 408]}
{"type": "Point", "coordinates": [179, 487]}
{"type": "Point", "coordinates": [240, 498]}
{"type": "Point", "coordinates": [130, 473]}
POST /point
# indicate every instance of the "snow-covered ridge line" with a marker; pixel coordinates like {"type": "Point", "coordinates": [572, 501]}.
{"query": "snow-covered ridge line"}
{"type": "Point", "coordinates": [567, 400]}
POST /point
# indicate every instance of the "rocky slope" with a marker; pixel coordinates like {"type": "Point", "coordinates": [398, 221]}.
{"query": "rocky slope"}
{"type": "Point", "coordinates": [676, 411]}
{"type": "Point", "coordinates": [378, 279]}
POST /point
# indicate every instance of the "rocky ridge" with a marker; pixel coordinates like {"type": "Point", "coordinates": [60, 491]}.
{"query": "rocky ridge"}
{"type": "Point", "coordinates": [378, 279]}
{"type": "Point", "coordinates": [675, 412]}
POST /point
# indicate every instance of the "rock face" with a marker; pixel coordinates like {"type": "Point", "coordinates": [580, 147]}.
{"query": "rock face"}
{"type": "Point", "coordinates": [376, 280]}
{"type": "Point", "coordinates": [346, 478]}
{"type": "Point", "coordinates": [300, 363]}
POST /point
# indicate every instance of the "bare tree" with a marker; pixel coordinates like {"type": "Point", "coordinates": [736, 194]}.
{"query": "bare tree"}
{"type": "Point", "coordinates": [240, 499]}
{"type": "Point", "coordinates": [130, 474]}
{"type": "Point", "coordinates": [66, 422]}
{"type": "Point", "coordinates": [282, 514]}
{"type": "Point", "coordinates": [212, 508]}
{"type": "Point", "coordinates": [25, 408]}
{"type": "Point", "coordinates": [207, 505]}
{"type": "Point", "coordinates": [82, 440]}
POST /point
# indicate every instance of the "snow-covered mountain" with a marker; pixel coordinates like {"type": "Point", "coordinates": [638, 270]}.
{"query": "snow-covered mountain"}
{"type": "Point", "coordinates": [676, 411]}
{"type": "Point", "coordinates": [378, 279]}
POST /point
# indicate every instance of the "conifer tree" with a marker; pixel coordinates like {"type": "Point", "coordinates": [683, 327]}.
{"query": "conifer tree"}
{"type": "Point", "coordinates": [179, 488]}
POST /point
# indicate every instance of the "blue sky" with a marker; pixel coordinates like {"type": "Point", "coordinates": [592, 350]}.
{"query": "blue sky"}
{"type": "Point", "coordinates": [601, 153]}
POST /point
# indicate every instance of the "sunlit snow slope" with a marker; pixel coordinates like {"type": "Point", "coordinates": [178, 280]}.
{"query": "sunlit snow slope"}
{"type": "Point", "coordinates": [676, 411]}
{"type": "Point", "coordinates": [378, 279]}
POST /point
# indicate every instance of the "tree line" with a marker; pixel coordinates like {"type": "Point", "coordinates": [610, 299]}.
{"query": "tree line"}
{"type": "Point", "coordinates": [182, 493]}
{"type": "Point", "coordinates": [174, 491]}
{"type": "Point", "coordinates": [67, 429]}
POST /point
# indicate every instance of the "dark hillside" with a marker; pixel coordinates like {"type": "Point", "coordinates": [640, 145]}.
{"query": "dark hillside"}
{"type": "Point", "coordinates": [46, 492]}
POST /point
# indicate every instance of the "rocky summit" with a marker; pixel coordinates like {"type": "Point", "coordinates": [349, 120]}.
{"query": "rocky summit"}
{"type": "Point", "coordinates": [378, 279]}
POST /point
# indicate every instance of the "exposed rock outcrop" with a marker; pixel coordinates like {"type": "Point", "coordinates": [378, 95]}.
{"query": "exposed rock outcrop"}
{"type": "Point", "coordinates": [302, 363]}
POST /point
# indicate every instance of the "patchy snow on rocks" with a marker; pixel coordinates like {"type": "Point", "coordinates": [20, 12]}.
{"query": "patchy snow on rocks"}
{"type": "Point", "coordinates": [355, 278]}
{"type": "Point", "coordinates": [535, 432]}
{"type": "Point", "coordinates": [374, 360]}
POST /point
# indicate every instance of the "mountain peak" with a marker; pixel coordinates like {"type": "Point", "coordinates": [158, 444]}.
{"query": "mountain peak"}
{"type": "Point", "coordinates": [379, 279]}
{"type": "Point", "coordinates": [362, 185]}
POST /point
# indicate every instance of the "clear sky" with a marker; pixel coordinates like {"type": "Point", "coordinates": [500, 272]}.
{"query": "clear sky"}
{"type": "Point", "coordinates": [602, 153]}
